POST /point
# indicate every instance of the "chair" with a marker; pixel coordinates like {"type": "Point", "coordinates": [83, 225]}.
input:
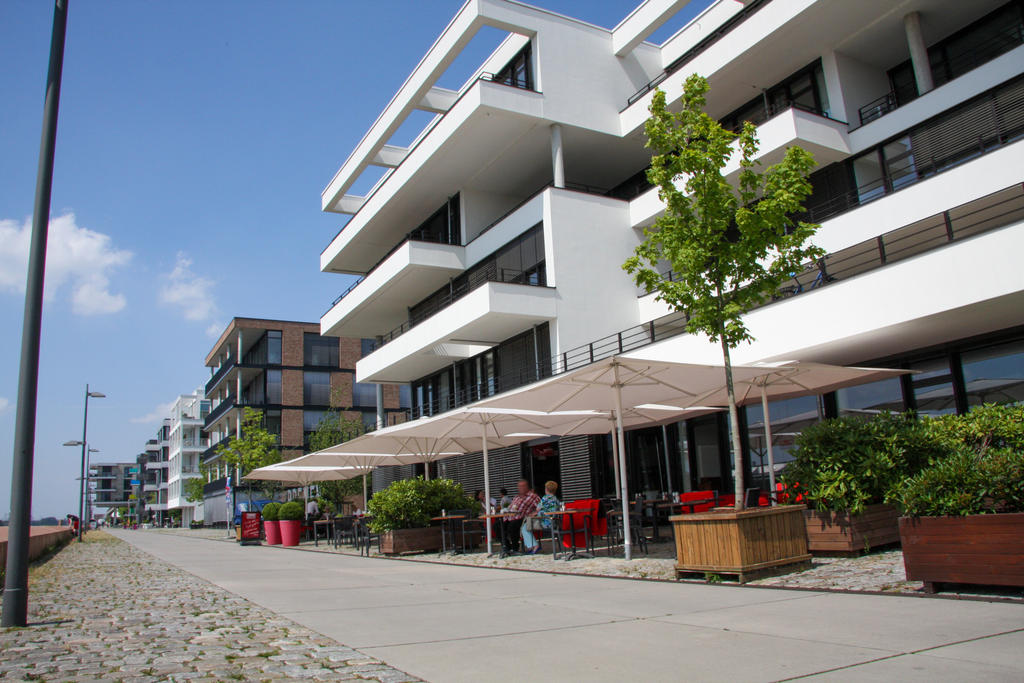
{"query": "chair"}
{"type": "Point", "coordinates": [573, 531]}
{"type": "Point", "coordinates": [344, 530]}
{"type": "Point", "coordinates": [365, 537]}
{"type": "Point", "coordinates": [699, 495]}
{"type": "Point", "coordinates": [636, 528]}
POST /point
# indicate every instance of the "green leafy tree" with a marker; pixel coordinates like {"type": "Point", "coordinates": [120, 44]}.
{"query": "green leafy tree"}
{"type": "Point", "coordinates": [730, 248]}
{"type": "Point", "coordinates": [255, 448]}
{"type": "Point", "coordinates": [335, 428]}
{"type": "Point", "coordinates": [193, 487]}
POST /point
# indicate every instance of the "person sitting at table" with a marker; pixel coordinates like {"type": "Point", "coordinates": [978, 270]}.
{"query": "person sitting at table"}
{"type": "Point", "coordinates": [539, 522]}
{"type": "Point", "coordinates": [522, 506]}
{"type": "Point", "coordinates": [504, 499]}
{"type": "Point", "coordinates": [482, 499]}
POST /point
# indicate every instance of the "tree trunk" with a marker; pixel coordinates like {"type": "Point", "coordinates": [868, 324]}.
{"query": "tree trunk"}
{"type": "Point", "coordinates": [737, 446]}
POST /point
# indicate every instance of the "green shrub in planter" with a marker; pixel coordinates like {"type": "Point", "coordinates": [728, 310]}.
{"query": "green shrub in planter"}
{"type": "Point", "coordinates": [271, 512]}
{"type": "Point", "coordinates": [984, 473]}
{"type": "Point", "coordinates": [846, 464]}
{"type": "Point", "coordinates": [291, 510]}
{"type": "Point", "coordinates": [411, 503]}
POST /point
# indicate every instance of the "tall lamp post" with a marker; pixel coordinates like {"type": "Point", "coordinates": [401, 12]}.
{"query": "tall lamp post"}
{"type": "Point", "coordinates": [15, 607]}
{"type": "Point", "coordinates": [85, 456]}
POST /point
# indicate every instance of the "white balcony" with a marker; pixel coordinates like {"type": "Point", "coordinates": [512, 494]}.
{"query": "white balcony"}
{"type": "Point", "coordinates": [158, 465]}
{"type": "Point", "coordinates": [381, 300]}
{"type": "Point", "coordinates": [825, 138]}
{"type": "Point", "coordinates": [479, 320]}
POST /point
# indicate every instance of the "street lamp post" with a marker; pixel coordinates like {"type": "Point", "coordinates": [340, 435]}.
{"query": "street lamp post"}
{"type": "Point", "coordinates": [15, 605]}
{"type": "Point", "coordinates": [85, 456]}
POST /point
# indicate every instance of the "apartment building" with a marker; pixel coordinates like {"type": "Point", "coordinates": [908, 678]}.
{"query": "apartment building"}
{"type": "Point", "coordinates": [155, 461]}
{"type": "Point", "coordinates": [110, 487]}
{"type": "Point", "coordinates": [186, 443]}
{"type": "Point", "coordinates": [292, 374]}
{"type": "Point", "coordinates": [496, 237]}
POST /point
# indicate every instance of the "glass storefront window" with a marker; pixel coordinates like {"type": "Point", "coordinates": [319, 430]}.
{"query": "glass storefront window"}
{"type": "Point", "coordinates": [871, 399]}
{"type": "Point", "coordinates": [933, 387]}
{"type": "Point", "coordinates": [994, 374]}
{"type": "Point", "coordinates": [788, 418]}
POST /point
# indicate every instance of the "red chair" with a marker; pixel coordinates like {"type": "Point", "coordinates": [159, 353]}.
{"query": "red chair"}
{"type": "Point", "coordinates": [727, 501]}
{"type": "Point", "coordinates": [574, 532]}
{"type": "Point", "coordinates": [708, 496]}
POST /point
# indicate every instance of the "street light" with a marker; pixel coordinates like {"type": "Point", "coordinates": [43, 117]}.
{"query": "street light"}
{"type": "Point", "coordinates": [85, 456]}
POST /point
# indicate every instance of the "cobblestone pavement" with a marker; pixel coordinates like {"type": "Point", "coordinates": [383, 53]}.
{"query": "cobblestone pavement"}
{"type": "Point", "coordinates": [103, 610]}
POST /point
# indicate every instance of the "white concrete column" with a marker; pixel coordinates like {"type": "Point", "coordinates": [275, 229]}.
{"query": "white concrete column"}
{"type": "Point", "coordinates": [557, 158]}
{"type": "Point", "coordinates": [918, 53]}
{"type": "Point", "coordinates": [380, 407]}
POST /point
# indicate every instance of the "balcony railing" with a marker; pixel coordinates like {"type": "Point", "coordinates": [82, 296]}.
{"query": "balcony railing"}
{"type": "Point", "coordinates": [530, 278]}
{"type": "Point", "coordinates": [723, 30]}
{"type": "Point", "coordinates": [220, 410]}
{"type": "Point", "coordinates": [1005, 39]}
{"type": "Point", "coordinates": [223, 370]}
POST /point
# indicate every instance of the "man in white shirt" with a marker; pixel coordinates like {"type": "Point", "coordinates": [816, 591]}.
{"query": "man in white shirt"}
{"type": "Point", "coordinates": [312, 509]}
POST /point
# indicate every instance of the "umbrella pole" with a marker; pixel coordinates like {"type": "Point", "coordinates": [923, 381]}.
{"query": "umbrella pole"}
{"type": "Point", "coordinates": [768, 442]}
{"type": "Point", "coordinates": [627, 544]}
{"type": "Point", "coordinates": [487, 489]}
{"type": "Point", "coordinates": [365, 499]}
{"type": "Point", "coordinates": [615, 459]}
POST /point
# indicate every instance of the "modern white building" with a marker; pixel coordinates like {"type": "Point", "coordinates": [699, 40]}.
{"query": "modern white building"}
{"type": "Point", "coordinates": [186, 443]}
{"type": "Point", "coordinates": [490, 249]}
{"type": "Point", "coordinates": [155, 475]}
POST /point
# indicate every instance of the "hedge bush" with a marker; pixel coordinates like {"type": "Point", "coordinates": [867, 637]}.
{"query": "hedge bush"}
{"type": "Point", "coordinates": [848, 463]}
{"type": "Point", "coordinates": [984, 473]}
{"type": "Point", "coordinates": [291, 510]}
{"type": "Point", "coordinates": [271, 512]}
{"type": "Point", "coordinates": [411, 503]}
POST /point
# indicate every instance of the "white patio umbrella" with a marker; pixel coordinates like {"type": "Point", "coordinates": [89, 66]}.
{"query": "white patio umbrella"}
{"type": "Point", "coordinates": [613, 383]}
{"type": "Point", "coordinates": [792, 379]}
{"type": "Point", "coordinates": [302, 475]}
{"type": "Point", "coordinates": [484, 427]}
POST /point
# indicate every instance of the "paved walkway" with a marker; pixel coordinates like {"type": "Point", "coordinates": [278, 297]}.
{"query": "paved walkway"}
{"type": "Point", "coordinates": [103, 610]}
{"type": "Point", "coordinates": [447, 623]}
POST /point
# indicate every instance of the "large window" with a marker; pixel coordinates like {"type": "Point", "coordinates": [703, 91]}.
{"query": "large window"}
{"type": "Point", "coordinates": [316, 388]}
{"type": "Point", "coordinates": [366, 347]}
{"type": "Point", "coordinates": [274, 387]}
{"type": "Point", "coordinates": [994, 374]}
{"type": "Point", "coordinates": [310, 421]}
{"type": "Point", "coordinates": [320, 351]}
{"type": "Point", "coordinates": [519, 71]}
{"type": "Point", "coordinates": [803, 90]}
{"type": "Point", "coordinates": [871, 399]}
{"type": "Point", "coordinates": [364, 394]}
{"type": "Point", "coordinates": [274, 347]}
{"type": "Point", "coordinates": [933, 387]}
{"type": "Point", "coordinates": [789, 417]}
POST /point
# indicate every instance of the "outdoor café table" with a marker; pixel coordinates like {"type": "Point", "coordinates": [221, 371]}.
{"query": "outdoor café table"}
{"type": "Point", "coordinates": [446, 529]}
{"type": "Point", "coordinates": [328, 524]}
{"type": "Point", "coordinates": [556, 518]}
{"type": "Point", "coordinates": [498, 516]}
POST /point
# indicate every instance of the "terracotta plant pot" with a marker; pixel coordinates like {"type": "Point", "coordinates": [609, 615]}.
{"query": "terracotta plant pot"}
{"type": "Point", "coordinates": [272, 530]}
{"type": "Point", "coordinates": [976, 549]}
{"type": "Point", "coordinates": [291, 531]}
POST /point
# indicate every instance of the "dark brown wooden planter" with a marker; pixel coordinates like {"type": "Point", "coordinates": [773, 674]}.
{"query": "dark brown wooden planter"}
{"type": "Point", "coordinates": [741, 543]}
{"type": "Point", "coordinates": [411, 540]}
{"type": "Point", "coordinates": [979, 549]}
{"type": "Point", "coordinates": [840, 533]}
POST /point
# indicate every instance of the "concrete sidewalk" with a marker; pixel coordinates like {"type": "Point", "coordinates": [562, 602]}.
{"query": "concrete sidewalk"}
{"type": "Point", "coordinates": [447, 623]}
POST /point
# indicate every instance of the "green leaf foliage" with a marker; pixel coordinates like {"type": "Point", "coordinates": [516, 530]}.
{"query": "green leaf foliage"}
{"type": "Point", "coordinates": [730, 243]}
{"type": "Point", "coordinates": [846, 464]}
{"type": "Point", "coordinates": [291, 510]}
{"type": "Point", "coordinates": [254, 449]}
{"type": "Point", "coordinates": [984, 472]}
{"type": "Point", "coordinates": [271, 512]}
{"type": "Point", "coordinates": [335, 428]}
{"type": "Point", "coordinates": [411, 503]}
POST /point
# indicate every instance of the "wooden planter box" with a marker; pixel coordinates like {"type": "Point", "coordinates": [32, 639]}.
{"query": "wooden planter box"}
{"type": "Point", "coordinates": [840, 533]}
{"type": "Point", "coordinates": [978, 549]}
{"type": "Point", "coordinates": [741, 543]}
{"type": "Point", "coordinates": [411, 540]}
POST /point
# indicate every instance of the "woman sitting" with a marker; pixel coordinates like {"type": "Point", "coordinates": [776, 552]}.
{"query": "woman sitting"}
{"type": "Point", "coordinates": [548, 503]}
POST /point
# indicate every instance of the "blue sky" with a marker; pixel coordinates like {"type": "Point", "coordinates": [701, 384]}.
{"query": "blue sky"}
{"type": "Point", "coordinates": [194, 140]}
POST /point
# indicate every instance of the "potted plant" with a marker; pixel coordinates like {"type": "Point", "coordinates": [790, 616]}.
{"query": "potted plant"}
{"type": "Point", "coordinates": [964, 514]}
{"type": "Point", "coordinates": [845, 468]}
{"type": "Point", "coordinates": [271, 525]}
{"type": "Point", "coordinates": [402, 513]}
{"type": "Point", "coordinates": [290, 516]}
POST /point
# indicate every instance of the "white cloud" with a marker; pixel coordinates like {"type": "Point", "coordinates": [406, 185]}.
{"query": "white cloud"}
{"type": "Point", "coordinates": [214, 330]}
{"type": "Point", "coordinates": [160, 412]}
{"type": "Point", "coordinates": [78, 257]}
{"type": "Point", "coordinates": [4, 405]}
{"type": "Point", "coordinates": [187, 290]}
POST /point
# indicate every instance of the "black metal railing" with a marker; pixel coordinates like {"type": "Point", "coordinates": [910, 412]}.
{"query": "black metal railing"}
{"type": "Point", "coordinates": [735, 20]}
{"type": "Point", "coordinates": [219, 411]}
{"type": "Point", "coordinates": [1006, 39]}
{"type": "Point", "coordinates": [221, 372]}
{"type": "Point", "coordinates": [532, 278]}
